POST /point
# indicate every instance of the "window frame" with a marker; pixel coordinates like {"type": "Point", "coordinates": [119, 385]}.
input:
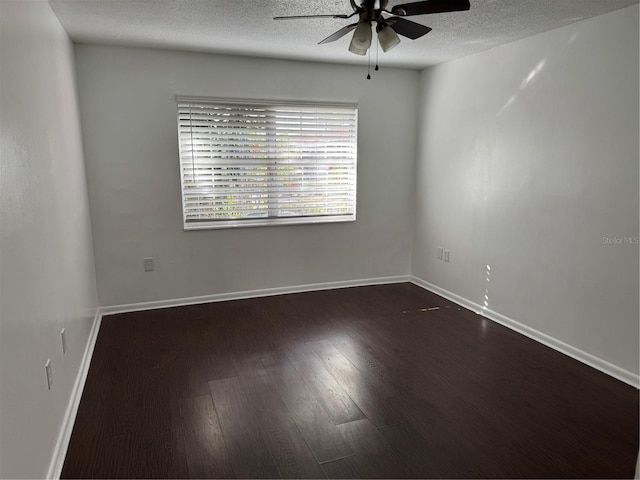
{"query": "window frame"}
{"type": "Point", "coordinates": [268, 221]}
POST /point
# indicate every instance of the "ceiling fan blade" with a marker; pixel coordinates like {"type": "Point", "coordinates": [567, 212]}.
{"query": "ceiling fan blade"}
{"type": "Point", "coordinates": [407, 28]}
{"type": "Point", "coordinates": [430, 6]}
{"type": "Point", "coordinates": [339, 34]}
{"type": "Point", "coordinates": [297, 17]}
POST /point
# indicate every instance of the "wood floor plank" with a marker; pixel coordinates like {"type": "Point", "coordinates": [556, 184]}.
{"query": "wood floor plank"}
{"type": "Point", "coordinates": [366, 363]}
{"type": "Point", "coordinates": [458, 445]}
{"type": "Point", "coordinates": [115, 457]}
{"type": "Point", "coordinates": [424, 459]}
{"type": "Point", "coordinates": [317, 428]}
{"type": "Point", "coordinates": [163, 456]}
{"type": "Point", "coordinates": [206, 361]}
{"type": "Point", "coordinates": [248, 453]}
{"type": "Point", "coordinates": [374, 458]}
{"type": "Point", "coordinates": [204, 446]}
{"type": "Point", "coordinates": [364, 392]}
{"type": "Point", "coordinates": [288, 448]}
{"type": "Point", "coordinates": [327, 391]}
{"type": "Point", "coordinates": [347, 468]}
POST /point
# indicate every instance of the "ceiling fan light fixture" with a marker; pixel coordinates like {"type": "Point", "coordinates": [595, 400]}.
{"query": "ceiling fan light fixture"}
{"type": "Point", "coordinates": [357, 51]}
{"type": "Point", "coordinates": [388, 38]}
{"type": "Point", "coordinates": [361, 40]}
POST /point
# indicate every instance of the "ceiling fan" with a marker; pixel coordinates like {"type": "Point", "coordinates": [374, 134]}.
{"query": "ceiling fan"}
{"type": "Point", "coordinates": [387, 28]}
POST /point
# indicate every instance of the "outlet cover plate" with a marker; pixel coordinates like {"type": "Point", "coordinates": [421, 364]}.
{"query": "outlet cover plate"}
{"type": "Point", "coordinates": [148, 264]}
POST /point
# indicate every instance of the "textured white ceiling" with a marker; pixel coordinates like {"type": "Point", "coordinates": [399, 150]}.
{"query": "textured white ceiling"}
{"type": "Point", "coordinates": [246, 27]}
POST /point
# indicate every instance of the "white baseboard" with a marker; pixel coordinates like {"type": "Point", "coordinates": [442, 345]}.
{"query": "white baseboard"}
{"type": "Point", "coordinates": [266, 292]}
{"type": "Point", "coordinates": [573, 352]}
{"type": "Point", "coordinates": [64, 436]}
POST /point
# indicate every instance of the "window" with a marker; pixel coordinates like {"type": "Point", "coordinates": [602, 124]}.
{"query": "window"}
{"type": "Point", "coordinates": [249, 163]}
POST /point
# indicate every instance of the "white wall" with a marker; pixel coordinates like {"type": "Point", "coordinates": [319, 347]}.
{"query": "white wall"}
{"type": "Point", "coordinates": [129, 126]}
{"type": "Point", "coordinates": [47, 273]}
{"type": "Point", "coordinates": [528, 157]}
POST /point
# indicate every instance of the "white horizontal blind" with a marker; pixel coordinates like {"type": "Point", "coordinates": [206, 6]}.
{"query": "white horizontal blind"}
{"type": "Point", "coordinates": [258, 163]}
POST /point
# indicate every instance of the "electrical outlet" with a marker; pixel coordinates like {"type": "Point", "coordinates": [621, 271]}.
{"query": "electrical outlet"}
{"type": "Point", "coordinates": [440, 250]}
{"type": "Point", "coordinates": [148, 264]}
{"type": "Point", "coordinates": [47, 368]}
{"type": "Point", "coordinates": [63, 338]}
{"type": "Point", "coordinates": [446, 256]}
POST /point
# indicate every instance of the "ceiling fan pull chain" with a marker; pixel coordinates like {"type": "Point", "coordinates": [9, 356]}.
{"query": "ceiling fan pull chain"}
{"type": "Point", "coordinates": [369, 66]}
{"type": "Point", "coordinates": [377, 46]}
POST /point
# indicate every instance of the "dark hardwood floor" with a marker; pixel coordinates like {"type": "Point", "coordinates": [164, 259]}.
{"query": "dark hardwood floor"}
{"type": "Point", "coordinates": [371, 382]}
